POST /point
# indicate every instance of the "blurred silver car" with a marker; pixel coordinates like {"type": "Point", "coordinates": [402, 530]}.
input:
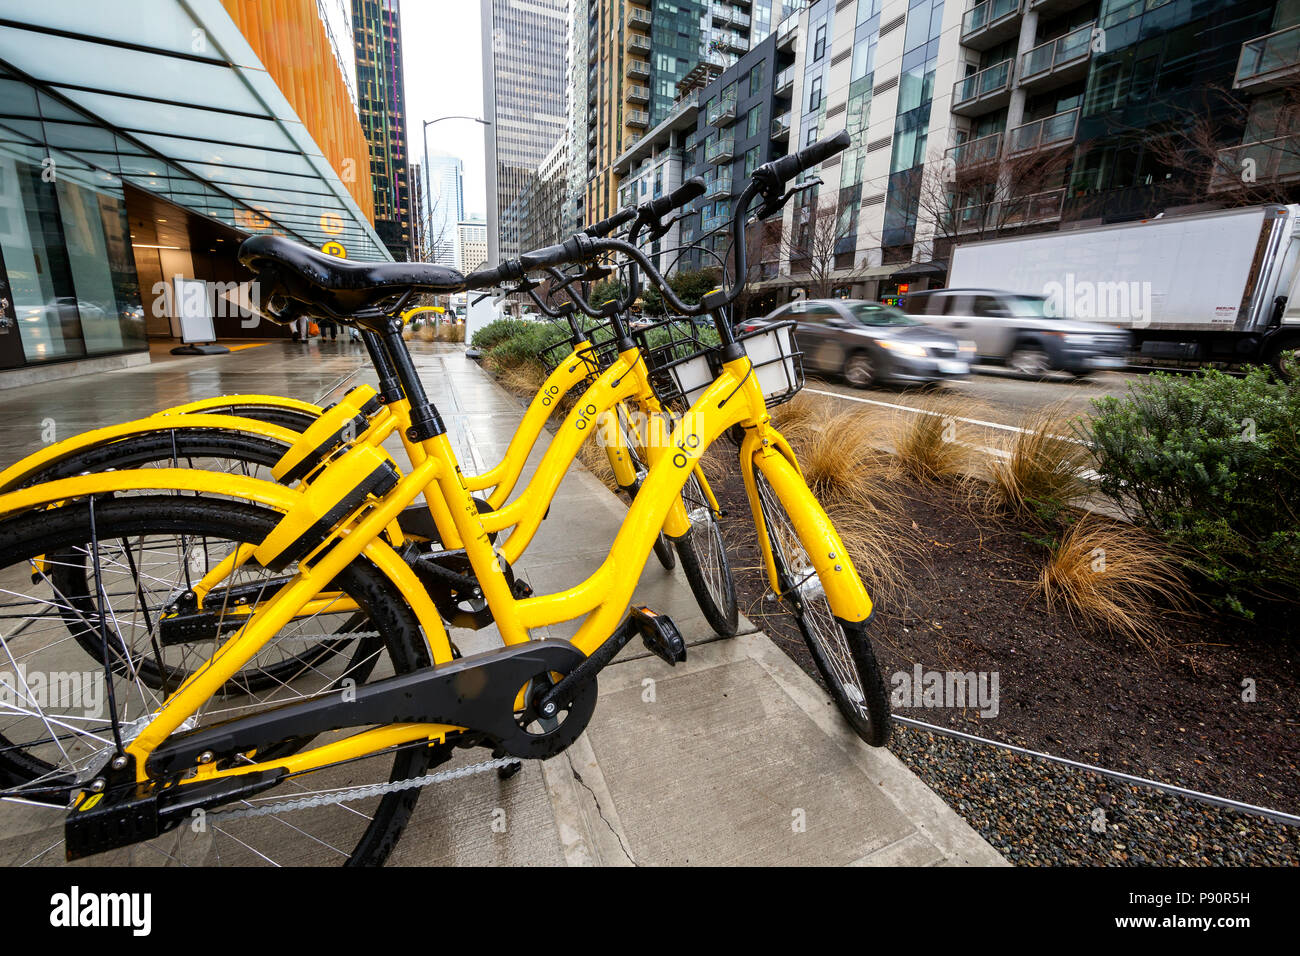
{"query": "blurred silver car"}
{"type": "Point", "coordinates": [867, 342]}
{"type": "Point", "coordinates": [1017, 330]}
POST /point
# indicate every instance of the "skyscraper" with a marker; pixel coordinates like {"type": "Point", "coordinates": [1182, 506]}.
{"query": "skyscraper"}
{"type": "Point", "coordinates": [377, 32]}
{"type": "Point", "coordinates": [444, 207]}
{"type": "Point", "coordinates": [524, 83]}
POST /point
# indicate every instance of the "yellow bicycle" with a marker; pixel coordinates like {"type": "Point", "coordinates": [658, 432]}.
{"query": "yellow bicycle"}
{"type": "Point", "coordinates": [346, 757]}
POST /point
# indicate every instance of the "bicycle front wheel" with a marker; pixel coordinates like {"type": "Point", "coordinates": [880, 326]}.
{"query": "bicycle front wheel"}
{"type": "Point", "coordinates": [704, 561]}
{"type": "Point", "coordinates": [841, 650]}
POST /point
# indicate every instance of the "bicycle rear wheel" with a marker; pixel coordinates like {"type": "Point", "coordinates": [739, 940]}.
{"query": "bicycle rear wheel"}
{"type": "Point", "coordinates": [56, 734]}
{"type": "Point", "coordinates": [841, 649]}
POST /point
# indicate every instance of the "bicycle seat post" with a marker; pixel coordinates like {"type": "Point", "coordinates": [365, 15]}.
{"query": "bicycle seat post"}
{"type": "Point", "coordinates": [390, 387]}
{"type": "Point", "coordinates": [426, 423]}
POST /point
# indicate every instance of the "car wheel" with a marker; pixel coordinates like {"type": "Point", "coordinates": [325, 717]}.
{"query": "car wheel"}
{"type": "Point", "coordinates": [1285, 361]}
{"type": "Point", "coordinates": [1029, 360]}
{"type": "Point", "coordinates": [860, 370]}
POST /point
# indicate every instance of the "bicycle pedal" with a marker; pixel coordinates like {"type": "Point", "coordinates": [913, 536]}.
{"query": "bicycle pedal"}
{"type": "Point", "coordinates": [521, 589]}
{"type": "Point", "coordinates": [659, 634]}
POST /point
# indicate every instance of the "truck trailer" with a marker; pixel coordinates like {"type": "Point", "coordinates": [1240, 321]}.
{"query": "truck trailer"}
{"type": "Point", "coordinates": [1213, 287]}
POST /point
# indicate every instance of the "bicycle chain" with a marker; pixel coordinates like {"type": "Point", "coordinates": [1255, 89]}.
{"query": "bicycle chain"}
{"type": "Point", "coordinates": [360, 793]}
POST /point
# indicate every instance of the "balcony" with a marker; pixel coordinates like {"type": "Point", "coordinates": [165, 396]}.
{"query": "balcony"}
{"type": "Point", "coordinates": [637, 119]}
{"type": "Point", "coordinates": [1031, 210]}
{"type": "Point", "coordinates": [1269, 161]}
{"type": "Point", "coordinates": [716, 221]}
{"type": "Point", "coordinates": [721, 150]}
{"type": "Point", "coordinates": [780, 126]}
{"type": "Point", "coordinates": [975, 152]}
{"type": "Point", "coordinates": [638, 43]}
{"type": "Point", "coordinates": [987, 91]}
{"type": "Point", "coordinates": [786, 33]}
{"type": "Point", "coordinates": [733, 42]}
{"type": "Point", "coordinates": [1058, 61]}
{"type": "Point", "coordinates": [720, 188]}
{"type": "Point", "coordinates": [1055, 130]}
{"type": "Point", "coordinates": [638, 70]}
{"type": "Point", "coordinates": [638, 19]}
{"type": "Point", "coordinates": [638, 94]}
{"type": "Point", "coordinates": [722, 112]}
{"type": "Point", "coordinates": [1269, 62]}
{"type": "Point", "coordinates": [784, 83]}
{"type": "Point", "coordinates": [730, 16]}
{"type": "Point", "coordinates": [1054, 6]}
{"type": "Point", "coordinates": [987, 24]}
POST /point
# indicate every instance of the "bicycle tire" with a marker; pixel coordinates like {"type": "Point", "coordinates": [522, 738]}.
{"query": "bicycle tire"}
{"type": "Point", "coordinates": [182, 445]}
{"type": "Point", "coordinates": [841, 650]}
{"type": "Point", "coordinates": [703, 554]}
{"type": "Point", "coordinates": [37, 533]}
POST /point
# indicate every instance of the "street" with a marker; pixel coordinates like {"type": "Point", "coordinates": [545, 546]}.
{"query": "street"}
{"type": "Point", "coordinates": [996, 395]}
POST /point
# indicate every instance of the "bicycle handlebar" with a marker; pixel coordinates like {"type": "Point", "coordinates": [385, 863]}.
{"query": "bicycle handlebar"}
{"type": "Point", "coordinates": [781, 171]}
{"type": "Point", "coordinates": [652, 211]}
{"type": "Point", "coordinates": [600, 230]}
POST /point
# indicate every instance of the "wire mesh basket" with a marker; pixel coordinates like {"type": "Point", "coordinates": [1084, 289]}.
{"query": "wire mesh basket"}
{"type": "Point", "coordinates": [598, 356]}
{"type": "Point", "coordinates": [778, 366]}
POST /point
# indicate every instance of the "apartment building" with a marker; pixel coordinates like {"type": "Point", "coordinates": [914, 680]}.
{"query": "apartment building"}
{"type": "Point", "coordinates": [471, 245]}
{"type": "Point", "coordinates": [1007, 116]}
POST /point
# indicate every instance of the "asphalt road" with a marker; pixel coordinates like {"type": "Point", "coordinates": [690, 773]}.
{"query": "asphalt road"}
{"type": "Point", "coordinates": [998, 396]}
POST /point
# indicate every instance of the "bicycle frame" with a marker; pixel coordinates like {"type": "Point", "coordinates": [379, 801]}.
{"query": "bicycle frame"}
{"type": "Point", "coordinates": [734, 398]}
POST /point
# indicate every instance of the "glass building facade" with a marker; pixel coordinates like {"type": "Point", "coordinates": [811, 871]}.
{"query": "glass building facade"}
{"type": "Point", "coordinates": [136, 150]}
{"type": "Point", "coordinates": [525, 77]}
{"type": "Point", "coordinates": [381, 98]}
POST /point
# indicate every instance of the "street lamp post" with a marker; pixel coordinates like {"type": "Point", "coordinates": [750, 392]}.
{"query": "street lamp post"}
{"type": "Point", "coordinates": [428, 180]}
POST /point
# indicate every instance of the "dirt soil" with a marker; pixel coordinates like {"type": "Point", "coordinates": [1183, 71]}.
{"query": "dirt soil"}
{"type": "Point", "coordinates": [972, 604]}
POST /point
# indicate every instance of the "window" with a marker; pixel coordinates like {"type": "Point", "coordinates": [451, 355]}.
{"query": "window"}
{"type": "Point", "coordinates": [811, 137]}
{"type": "Point", "coordinates": [756, 79]}
{"type": "Point", "coordinates": [819, 43]}
{"type": "Point", "coordinates": [754, 121]}
{"type": "Point", "coordinates": [751, 161]}
{"type": "Point", "coordinates": [815, 94]}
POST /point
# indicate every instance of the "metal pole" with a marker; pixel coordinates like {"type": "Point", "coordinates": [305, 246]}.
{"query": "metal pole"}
{"type": "Point", "coordinates": [428, 181]}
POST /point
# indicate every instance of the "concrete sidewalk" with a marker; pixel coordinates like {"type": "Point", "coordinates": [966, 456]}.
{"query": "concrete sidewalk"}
{"type": "Point", "coordinates": [734, 757]}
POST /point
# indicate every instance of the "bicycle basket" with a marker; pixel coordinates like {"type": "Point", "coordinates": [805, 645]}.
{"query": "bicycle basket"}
{"type": "Point", "coordinates": [598, 357]}
{"type": "Point", "coordinates": [669, 346]}
{"type": "Point", "coordinates": [778, 366]}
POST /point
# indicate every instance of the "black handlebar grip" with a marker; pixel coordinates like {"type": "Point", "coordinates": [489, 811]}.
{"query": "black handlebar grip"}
{"type": "Point", "coordinates": [686, 192]}
{"type": "Point", "coordinates": [788, 167]}
{"type": "Point", "coordinates": [556, 255]}
{"type": "Point", "coordinates": [606, 226]}
{"type": "Point", "coordinates": [485, 278]}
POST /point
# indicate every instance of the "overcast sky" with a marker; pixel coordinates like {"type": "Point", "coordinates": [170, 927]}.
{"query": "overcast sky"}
{"type": "Point", "coordinates": [442, 54]}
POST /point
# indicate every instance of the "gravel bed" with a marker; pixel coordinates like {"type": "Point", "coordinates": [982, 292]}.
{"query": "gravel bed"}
{"type": "Point", "coordinates": [1039, 813]}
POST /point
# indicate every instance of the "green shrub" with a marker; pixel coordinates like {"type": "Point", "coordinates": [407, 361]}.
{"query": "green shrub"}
{"type": "Point", "coordinates": [523, 347]}
{"type": "Point", "coordinates": [1213, 463]}
{"type": "Point", "coordinates": [498, 331]}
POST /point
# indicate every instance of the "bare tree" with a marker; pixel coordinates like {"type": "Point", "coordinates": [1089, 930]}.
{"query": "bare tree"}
{"type": "Point", "coordinates": [982, 192]}
{"type": "Point", "coordinates": [1202, 149]}
{"type": "Point", "coordinates": [813, 246]}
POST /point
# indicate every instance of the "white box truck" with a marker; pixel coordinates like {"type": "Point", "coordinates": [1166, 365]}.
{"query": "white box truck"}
{"type": "Point", "coordinates": [1220, 286]}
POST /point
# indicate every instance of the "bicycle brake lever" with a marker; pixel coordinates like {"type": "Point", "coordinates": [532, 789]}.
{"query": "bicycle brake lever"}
{"type": "Point", "coordinates": [771, 207]}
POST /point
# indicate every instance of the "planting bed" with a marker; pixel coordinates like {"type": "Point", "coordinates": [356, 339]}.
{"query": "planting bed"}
{"type": "Point", "coordinates": [971, 604]}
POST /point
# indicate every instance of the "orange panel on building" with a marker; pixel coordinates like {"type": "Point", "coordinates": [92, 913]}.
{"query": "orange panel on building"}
{"type": "Point", "coordinates": [291, 42]}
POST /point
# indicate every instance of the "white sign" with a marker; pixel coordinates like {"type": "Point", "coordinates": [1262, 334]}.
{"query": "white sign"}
{"type": "Point", "coordinates": [193, 310]}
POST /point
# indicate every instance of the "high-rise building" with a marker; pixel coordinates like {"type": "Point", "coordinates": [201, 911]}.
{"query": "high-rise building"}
{"type": "Point", "coordinates": [471, 245]}
{"type": "Point", "coordinates": [525, 73]}
{"type": "Point", "coordinates": [377, 34]}
{"type": "Point", "coordinates": [637, 52]}
{"type": "Point", "coordinates": [444, 207]}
